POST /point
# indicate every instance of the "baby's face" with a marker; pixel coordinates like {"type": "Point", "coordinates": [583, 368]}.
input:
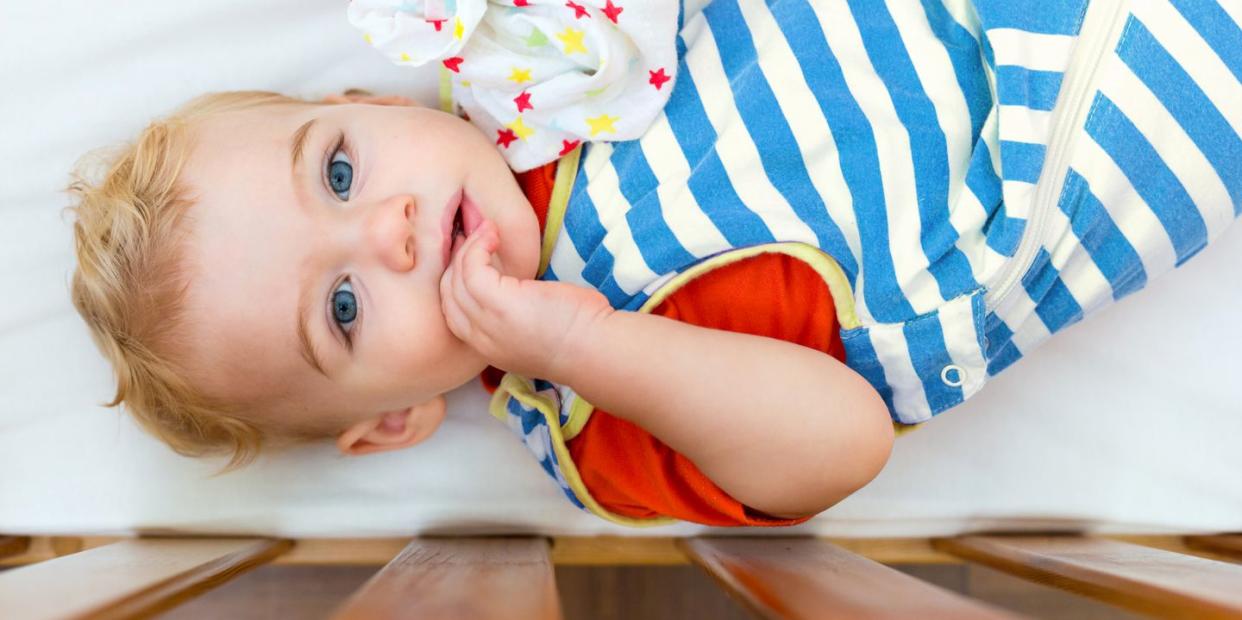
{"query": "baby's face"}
{"type": "Point", "coordinates": [316, 253]}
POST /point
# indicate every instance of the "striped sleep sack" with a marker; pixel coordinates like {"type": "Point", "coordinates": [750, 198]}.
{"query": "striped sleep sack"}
{"type": "Point", "coordinates": [968, 177]}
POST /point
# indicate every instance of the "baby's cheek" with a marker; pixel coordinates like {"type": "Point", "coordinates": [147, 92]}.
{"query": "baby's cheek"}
{"type": "Point", "coordinates": [426, 344]}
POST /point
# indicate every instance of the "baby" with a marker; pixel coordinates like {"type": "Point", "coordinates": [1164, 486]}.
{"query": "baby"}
{"type": "Point", "coordinates": [259, 268]}
{"type": "Point", "coordinates": [830, 228]}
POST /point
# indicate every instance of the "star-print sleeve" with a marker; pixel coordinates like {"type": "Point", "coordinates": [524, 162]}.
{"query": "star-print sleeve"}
{"type": "Point", "coordinates": [538, 76]}
{"type": "Point", "coordinates": [631, 472]}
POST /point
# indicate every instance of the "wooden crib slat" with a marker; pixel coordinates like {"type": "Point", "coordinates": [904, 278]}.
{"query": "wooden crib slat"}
{"type": "Point", "coordinates": [1144, 579]}
{"type": "Point", "coordinates": [129, 579]}
{"type": "Point", "coordinates": [13, 545]}
{"type": "Point", "coordinates": [1225, 544]}
{"type": "Point", "coordinates": [461, 578]}
{"type": "Point", "coordinates": [812, 578]}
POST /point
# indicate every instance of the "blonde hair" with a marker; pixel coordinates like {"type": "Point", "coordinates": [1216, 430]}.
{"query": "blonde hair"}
{"type": "Point", "coordinates": [130, 286]}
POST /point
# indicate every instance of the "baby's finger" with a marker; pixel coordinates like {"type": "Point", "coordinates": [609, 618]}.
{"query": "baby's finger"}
{"type": "Point", "coordinates": [469, 305]}
{"type": "Point", "coordinates": [453, 315]}
{"type": "Point", "coordinates": [481, 272]}
{"type": "Point", "coordinates": [478, 271]}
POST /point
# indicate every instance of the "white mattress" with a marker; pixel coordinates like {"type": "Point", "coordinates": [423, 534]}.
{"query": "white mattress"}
{"type": "Point", "coordinates": [1129, 422]}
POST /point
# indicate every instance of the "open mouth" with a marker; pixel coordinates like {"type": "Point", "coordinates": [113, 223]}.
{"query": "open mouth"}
{"type": "Point", "coordinates": [459, 225]}
{"type": "Point", "coordinates": [457, 234]}
{"type": "Point", "coordinates": [465, 219]}
{"type": "Point", "coordinates": [452, 227]}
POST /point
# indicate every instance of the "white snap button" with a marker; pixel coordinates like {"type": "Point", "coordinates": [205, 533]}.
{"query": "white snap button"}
{"type": "Point", "coordinates": [956, 380]}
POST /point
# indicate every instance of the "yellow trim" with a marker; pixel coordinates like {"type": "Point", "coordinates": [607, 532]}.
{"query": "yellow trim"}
{"type": "Point", "coordinates": [446, 90]}
{"type": "Point", "coordinates": [817, 259]}
{"type": "Point", "coordinates": [523, 390]}
{"type": "Point", "coordinates": [566, 172]}
{"type": "Point", "coordinates": [579, 413]}
{"type": "Point", "coordinates": [496, 406]}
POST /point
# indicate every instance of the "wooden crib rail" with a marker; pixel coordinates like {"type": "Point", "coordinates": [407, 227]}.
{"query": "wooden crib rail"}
{"type": "Point", "coordinates": [13, 545]}
{"type": "Point", "coordinates": [484, 578]}
{"type": "Point", "coordinates": [129, 579]}
{"type": "Point", "coordinates": [811, 578]}
{"type": "Point", "coordinates": [774, 577]}
{"type": "Point", "coordinates": [1147, 580]}
{"type": "Point", "coordinates": [1230, 546]}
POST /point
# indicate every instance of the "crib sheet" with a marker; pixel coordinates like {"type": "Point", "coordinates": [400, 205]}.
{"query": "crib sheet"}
{"type": "Point", "coordinates": [1128, 422]}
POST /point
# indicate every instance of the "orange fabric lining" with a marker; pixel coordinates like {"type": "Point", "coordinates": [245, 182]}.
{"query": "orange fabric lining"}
{"type": "Point", "coordinates": [631, 472]}
{"type": "Point", "coordinates": [537, 184]}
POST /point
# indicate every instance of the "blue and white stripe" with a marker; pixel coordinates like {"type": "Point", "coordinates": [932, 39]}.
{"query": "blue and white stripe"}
{"type": "Point", "coordinates": [528, 422]}
{"type": "Point", "coordinates": [1154, 176]}
{"type": "Point", "coordinates": [935, 151]}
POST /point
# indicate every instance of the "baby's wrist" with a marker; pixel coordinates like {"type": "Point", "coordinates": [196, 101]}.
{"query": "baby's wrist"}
{"type": "Point", "coordinates": [579, 346]}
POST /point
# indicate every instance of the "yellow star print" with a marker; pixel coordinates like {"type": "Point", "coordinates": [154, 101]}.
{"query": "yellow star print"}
{"type": "Point", "coordinates": [602, 123]}
{"type": "Point", "coordinates": [521, 76]}
{"type": "Point", "coordinates": [367, 38]}
{"type": "Point", "coordinates": [520, 128]}
{"type": "Point", "coordinates": [405, 57]}
{"type": "Point", "coordinates": [458, 28]}
{"type": "Point", "coordinates": [572, 39]}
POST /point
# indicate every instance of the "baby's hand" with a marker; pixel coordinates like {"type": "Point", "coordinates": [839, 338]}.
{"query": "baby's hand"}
{"type": "Point", "coordinates": [521, 326]}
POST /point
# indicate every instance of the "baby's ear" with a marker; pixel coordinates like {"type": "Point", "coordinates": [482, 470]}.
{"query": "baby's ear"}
{"type": "Point", "coordinates": [357, 95]}
{"type": "Point", "coordinates": [393, 430]}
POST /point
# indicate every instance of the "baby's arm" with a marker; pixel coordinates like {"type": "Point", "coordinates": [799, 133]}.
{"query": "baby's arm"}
{"type": "Point", "coordinates": [782, 428]}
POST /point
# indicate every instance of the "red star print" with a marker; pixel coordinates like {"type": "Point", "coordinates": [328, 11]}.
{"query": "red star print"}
{"type": "Point", "coordinates": [521, 2]}
{"type": "Point", "coordinates": [523, 102]}
{"type": "Point", "coordinates": [579, 10]}
{"type": "Point", "coordinates": [453, 64]}
{"type": "Point", "coordinates": [505, 137]}
{"type": "Point", "coordinates": [569, 145]}
{"type": "Point", "coordinates": [658, 78]}
{"type": "Point", "coordinates": [612, 11]}
{"type": "Point", "coordinates": [437, 23]}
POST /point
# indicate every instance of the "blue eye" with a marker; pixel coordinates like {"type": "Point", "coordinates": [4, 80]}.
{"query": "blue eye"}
{"type": "Point", "coordinates": [340, 174]}
{"type": "Point", "coordinates": [344, 306]}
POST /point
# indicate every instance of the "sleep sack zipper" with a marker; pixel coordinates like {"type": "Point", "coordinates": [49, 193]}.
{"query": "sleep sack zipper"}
{"type": "Point", "coordinates": [1101, 27]}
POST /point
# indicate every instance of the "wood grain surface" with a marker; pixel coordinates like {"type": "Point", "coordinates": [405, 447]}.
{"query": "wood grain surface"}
{"type": "Point", "coordinates": [1226, 545]}
{"type": "Point", "coordinates": [811, 578]}
{"type": "Point", "coordinates": [1144, 579]}
{"type": "Point", "coordinates": [461, 579]}
{"type": "Point", "coordinates": [129, 579]}
{"type": "Point", "coordinates": [13, 545]}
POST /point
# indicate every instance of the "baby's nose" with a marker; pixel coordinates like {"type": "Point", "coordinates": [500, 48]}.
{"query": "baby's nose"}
{"type": "Point", "coordinates": [391, 233]}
